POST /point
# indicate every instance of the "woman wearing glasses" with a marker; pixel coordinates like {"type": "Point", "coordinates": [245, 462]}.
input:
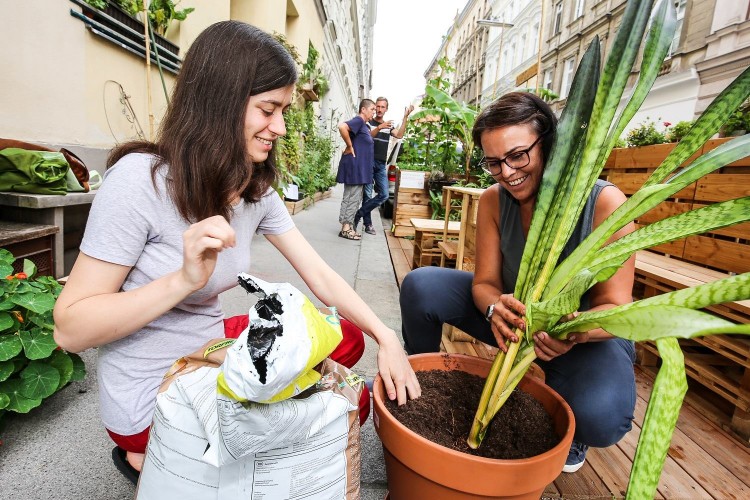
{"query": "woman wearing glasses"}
{"type": "Point", "coordinates": [592, 370]}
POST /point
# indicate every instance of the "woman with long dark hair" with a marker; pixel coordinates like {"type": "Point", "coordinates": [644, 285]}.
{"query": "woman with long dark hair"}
{"type": "Point", "coordinates": [171, 227]}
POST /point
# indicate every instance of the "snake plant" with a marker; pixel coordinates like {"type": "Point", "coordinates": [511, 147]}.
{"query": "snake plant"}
{"type": "Point", "coordinates": [587, 132]}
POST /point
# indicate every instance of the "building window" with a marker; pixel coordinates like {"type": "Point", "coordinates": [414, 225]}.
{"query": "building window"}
{"type": "Point", "coordinates": [557, 26]}
{"type": "Point", "coordinates": [579, 8]}
{"type": "Point", "coordinates": [535, 38]}
{"type": "Point", "coordinates": [679, 6]}
{"type": "Point", "coordinates": [547, 79]}
{"type": "Point", "coordinates": [569, 68]}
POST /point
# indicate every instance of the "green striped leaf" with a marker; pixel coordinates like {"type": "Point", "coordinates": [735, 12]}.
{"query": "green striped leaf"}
{"type": "Point", "coordinates": [679, 226]}
{"type": "Point", "coordinates": [728, 289]}
{"type": "Point", "coordinates": [707, 124]}
{"type": "Point", "coordinates": [659, 39]}
{"type": "Point", "coordinates": [641, 202]}
{"type": "Point", "coordinates": [659, 423]}
{"type": "Point", "coordinates": [570, 133]}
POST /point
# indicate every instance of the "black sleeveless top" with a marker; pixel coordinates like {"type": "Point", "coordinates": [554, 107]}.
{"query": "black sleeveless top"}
{"type": "Point", "coordinates": [512, 239]}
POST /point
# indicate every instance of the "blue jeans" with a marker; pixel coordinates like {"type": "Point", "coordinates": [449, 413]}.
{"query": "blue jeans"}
{"type": "Point", "coordinates": [595, 378]}
{"type": "Point", "coordinates": [370, 203]}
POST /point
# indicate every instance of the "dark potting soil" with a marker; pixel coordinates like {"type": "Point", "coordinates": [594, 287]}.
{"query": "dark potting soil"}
{"type": "Point", "coordinates": [445, 411]}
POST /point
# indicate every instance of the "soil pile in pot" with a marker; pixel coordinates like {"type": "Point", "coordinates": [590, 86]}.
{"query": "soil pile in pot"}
{"type": "Point", "coordinates": [447, 407]}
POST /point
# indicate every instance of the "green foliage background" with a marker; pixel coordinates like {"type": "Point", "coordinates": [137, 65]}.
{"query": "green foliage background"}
{"type": "Point", "coordinates": [32, 366]}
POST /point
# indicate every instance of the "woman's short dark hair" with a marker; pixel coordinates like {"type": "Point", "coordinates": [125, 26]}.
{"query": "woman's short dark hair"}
{"type": "Point", "coordinates": [517, 108]}
{"type": "Point", "coordinates": [364, 103]}
{"type": "Point", "coordinates": [202, 135]}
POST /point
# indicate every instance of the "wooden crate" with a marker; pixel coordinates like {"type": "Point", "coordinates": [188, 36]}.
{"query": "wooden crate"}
{"type": "Point", "coordinates": [410, 202]}
{"type": "Point", "coordinates": [30, 241]}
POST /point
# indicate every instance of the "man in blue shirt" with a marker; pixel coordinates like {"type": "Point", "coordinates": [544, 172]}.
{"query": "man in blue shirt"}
{"type": "Point", "coordinates": [381, 131]}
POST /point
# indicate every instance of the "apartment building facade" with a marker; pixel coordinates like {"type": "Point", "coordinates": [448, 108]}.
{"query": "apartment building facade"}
{"type": "Point", "coordinates": [69, 81]}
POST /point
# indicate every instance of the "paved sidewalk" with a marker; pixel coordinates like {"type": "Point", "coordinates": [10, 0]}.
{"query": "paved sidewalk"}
{"type": "Point", "coordinates": [60, 450]}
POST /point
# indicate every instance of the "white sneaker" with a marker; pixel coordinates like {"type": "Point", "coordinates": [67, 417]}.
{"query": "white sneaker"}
{"type": "Point", "coordinates": [576, 457]}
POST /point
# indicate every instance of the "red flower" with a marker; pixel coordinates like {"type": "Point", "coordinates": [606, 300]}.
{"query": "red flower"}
{"type": "Point", "coordinates": [10, 277]}
{"type": "Point", "coordinates": [18, 316]}
{"type": "Point", "coordinates": [21, 276]}
{"type": "Point", "coordinates": [667, 124]}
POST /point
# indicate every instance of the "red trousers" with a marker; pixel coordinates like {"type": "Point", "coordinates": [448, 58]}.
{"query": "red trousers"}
{"type": "Point", "coordinates": [347, 353]}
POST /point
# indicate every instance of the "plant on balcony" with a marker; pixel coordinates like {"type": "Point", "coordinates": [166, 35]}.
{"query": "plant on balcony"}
{"type": "Point", "coordinates": [587, 131]}
{"type": "Point", "coordinates": [32, 366]}
{"type": "Point", "coordinates": [313, 83]}
{"type": "Point", "coordinates": [161, 13]}
{"type": "Point", "coordinates": [645, 134]}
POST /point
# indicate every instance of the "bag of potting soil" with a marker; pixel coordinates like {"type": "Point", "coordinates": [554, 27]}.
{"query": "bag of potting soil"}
{"type": "Point", "coordinates": [267, 416]}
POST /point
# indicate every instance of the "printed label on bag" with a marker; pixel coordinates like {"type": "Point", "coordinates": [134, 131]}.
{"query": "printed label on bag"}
{"type": "Point", "coordinates": [354, 379]}
{"type": "Point", "coordinates": [220, 345]}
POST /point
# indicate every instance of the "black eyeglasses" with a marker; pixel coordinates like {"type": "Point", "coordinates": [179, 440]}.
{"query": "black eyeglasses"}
{"type": "Point", "coordinates": [515, 160]}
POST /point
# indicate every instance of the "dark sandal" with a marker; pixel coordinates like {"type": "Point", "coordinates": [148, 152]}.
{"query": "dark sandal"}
{"type": "Point", "coordinates": [350, 234]}
{"type": "Point", "coordinates": [119, 457]}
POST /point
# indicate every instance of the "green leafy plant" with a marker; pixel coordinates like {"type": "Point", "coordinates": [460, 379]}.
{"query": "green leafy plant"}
{"type": "Point", "coordinates": [312, 75]}
{"type": "Point", "coordinates": [438, 209]}
{"type": "Point", "coordinates": [739, 121]}
{"type": "Point", "coordinates": [679, 130]}
{"type": "Point", "coordinates": [161, 13]}
{"type": "Point", "coordinates": [429, 142]}
{"type": "Point", "coordinates": [32, 367]}
{"type": "Point", "coordinates": [620, 143]}
{"type": "Point", "coordinates": [456, 118]}
{"type": "Point", "coordinates": [586, 134]}
{"type": "Point", "coordinates": [645, 134]}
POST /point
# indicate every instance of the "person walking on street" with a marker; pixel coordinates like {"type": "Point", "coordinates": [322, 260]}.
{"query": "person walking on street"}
{"type": "Point", "coordinates": [381, 130]}
{"type": "Point", "coordinates": [355, 166]}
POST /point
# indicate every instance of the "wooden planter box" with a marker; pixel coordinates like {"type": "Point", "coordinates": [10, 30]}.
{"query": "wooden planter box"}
{"type": "Point", "coordinates": [295, 207]}
{"type": "Point", "coordinates": [410, 201]}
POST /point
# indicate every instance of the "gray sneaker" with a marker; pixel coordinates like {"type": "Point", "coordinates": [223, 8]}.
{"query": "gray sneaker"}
{"type": "Point", "coordinates": [576, 457]}
{"type": "Point", "coordinates": [369, 229]}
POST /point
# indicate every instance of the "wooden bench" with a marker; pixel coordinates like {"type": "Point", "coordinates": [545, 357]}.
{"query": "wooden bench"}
{"type": "Point", "coordinates": [427, 234]}
{"type": "Point", "coordinates": [719, 363]}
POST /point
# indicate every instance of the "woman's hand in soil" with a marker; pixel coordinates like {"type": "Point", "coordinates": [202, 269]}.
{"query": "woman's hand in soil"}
{"type": "Point", "coordinates": [398, 376]}
{"type": "Point", "coordinates": [507, 316]}
{"type": "Point", "coordinates": [202, 243]}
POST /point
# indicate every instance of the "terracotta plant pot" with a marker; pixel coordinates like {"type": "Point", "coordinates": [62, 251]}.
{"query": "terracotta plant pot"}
{"type": "Point", "coordinates": [420, 469]}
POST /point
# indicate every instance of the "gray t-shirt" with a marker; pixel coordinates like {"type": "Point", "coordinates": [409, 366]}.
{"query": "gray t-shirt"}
{"type": "Point", "coordinates": [132, 224]}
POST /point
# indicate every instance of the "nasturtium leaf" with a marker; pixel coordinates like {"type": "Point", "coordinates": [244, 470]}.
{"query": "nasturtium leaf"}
{"type": "Point", "coordinates": [6, 305]}
{"type": "Point", "coordinates": [18, 402]}
{"type": "Point", "coordinates": [37, 344]}
{"type": "Point", "coordinates": [10, 345]}
{"type": "Point", "coordinates": [4, 400]}
{"type": "Point", "coordinates": [6, 320]}
{"type": "Point", "coordinates": [6, 369]}
{"type": "Point", "coordinates": [29, 268]}
{"type": "Point", "coordinates": [39, 303]}
{"type": "Point", "coordinates": [79, 368]}
{"type": "Point", "coordinates": [64, 365]}
{"type": "Point", "coordinates": [39, 380]}
{"type": "Point", "coordinates": [5, 269]}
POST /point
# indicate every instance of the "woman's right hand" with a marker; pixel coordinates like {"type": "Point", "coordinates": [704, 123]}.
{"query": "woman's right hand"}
{"type": "Point", "coordinates": [507, 316]}
{"type": "Point", "coordinates": [202, 243]}
{"type": "Point", "coordinates": [349, 151]}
